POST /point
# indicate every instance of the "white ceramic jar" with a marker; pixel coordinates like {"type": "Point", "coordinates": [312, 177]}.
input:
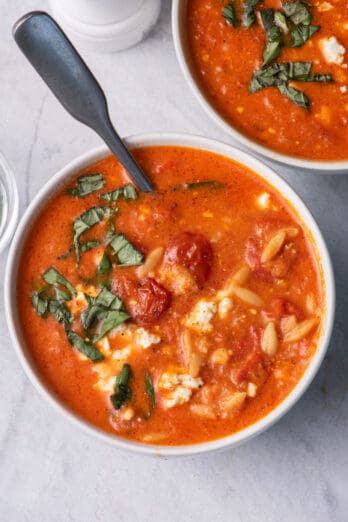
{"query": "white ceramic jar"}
{"type": "Point", "coordinates": [106, 25]}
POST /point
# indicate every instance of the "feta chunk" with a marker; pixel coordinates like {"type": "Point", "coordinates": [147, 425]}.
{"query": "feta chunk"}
{"type": "Point", "coordinates": [324, 6]}
{"type": "Point", "coordinates": [332, 50]}
{"type": "Point", "coordinates": [177, 388]}
{"type": "Point", "coordinates": [343, 89]}
{"type": "Point", "coordinates": [263, 200]}
{"type": "Point", "coordinates": [145, 339]}
{"type": "Point", "coordinates": [200, 317]}
{"type": "Point", "coordinates": [121, 355]}
{"type": "Point", "coordinates": [225, 306]}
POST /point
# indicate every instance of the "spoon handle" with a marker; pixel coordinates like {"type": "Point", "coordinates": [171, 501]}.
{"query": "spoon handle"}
{"type": "Point", "coordinates": [66, 74]}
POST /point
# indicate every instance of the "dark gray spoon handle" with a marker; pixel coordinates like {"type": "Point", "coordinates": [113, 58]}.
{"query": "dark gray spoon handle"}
{"type": "Point", "coordinates": [62, 68]}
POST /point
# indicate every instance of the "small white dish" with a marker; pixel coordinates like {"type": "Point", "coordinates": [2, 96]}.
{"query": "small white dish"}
{"type": "Point", "coordinates": [184, 140]}
{"type": "Point", "coordinates": [179, 8]}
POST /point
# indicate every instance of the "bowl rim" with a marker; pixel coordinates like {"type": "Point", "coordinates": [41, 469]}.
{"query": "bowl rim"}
{"type": "Point", "coordinates": [321, 166]}
{"type": "Point", "coordinates": [195, 142]}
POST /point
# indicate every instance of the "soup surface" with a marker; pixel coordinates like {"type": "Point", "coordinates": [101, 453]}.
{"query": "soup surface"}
{"type": "Point", "coordinates": [225, 59]}
{"type": "Point", "coordinates": [174, 317]}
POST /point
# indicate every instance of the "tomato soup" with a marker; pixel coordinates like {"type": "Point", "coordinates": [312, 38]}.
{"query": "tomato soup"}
{"type": "Point", "coordinates": [175, 317]}
{"type": "Point", "coordinates": [245, 58]}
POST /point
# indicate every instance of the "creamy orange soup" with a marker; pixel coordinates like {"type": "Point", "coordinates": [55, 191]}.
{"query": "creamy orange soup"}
{"type": "Point", "coordinates": [225, 58]}
{"type": "Point", "coordinates": [175, 317]}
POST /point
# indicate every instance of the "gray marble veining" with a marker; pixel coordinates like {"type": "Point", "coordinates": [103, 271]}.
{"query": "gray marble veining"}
{"type": "Point", "coordinates": [49, 470]}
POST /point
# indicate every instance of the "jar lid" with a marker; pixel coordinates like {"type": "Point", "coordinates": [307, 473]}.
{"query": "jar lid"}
{"type": "Point", "coordinates": [8, 203]}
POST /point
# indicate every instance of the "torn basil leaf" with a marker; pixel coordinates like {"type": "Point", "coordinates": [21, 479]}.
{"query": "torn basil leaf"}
{"type": "Point", "coordinates": [105, 264]}
{"type": "Point", "coordinates": [60, 312]}
{"type": "Point", "coordinates": [229, 14]}
{"type": "Point", "coordinates": [87, 185]}
{"type": "Point", "coordinates": [127, 254]}
{"type": "Point", "coordinates": [84, 222]}
{"type": "Point", "coordinates": [127, 191]}
{"type": "Point", "coordinates": [300, 34]}
{"type": "Point", "coordinates": [53, 277]}
{"type": "Point", "coordinates": [202, 184]}
{"type": "Point", "coordinates": [65, 255]}
{"type": "Point", "coordinates": [296, 96]}
{"type": "Point", "coordinates": [150, 391]}
{"type": "Point", "coordinates": [298, 12]}
{"type": "Point", "coordinates": [122, 391]}
{"type": "Point", "coordinates": [40, 303]}
{"type": "Point", "coordinates": [249, 16]}
{"type": "Point", "coordinates": [281, 22]}
{"type": "Point", "coordinates": [89, 245]}
{"type": "Point", "coordinates": [273, 36]}
{"type": "Point", "coordinates": [104, 312]}
{"type": "Point", "coordinates": [62, 295]}
{"type": "Point", "coordinates": [83, 346]}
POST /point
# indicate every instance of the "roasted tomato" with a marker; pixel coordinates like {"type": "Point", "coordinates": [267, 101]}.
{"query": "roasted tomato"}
{"type": "Point", "coordinates": [151, 302]}
{"type": "Point", "coordinates": [193, 251]}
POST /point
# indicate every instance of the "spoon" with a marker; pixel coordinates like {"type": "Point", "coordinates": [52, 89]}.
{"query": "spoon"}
{"type": "Point", "coordinates": [56, 60]}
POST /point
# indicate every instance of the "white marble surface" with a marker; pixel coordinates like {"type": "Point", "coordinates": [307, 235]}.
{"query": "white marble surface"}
{"type": "Point", "coordinates": [49, 470]}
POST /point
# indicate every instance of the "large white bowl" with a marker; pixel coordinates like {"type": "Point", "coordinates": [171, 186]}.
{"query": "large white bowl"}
{"type": "Point", "coordinates": [56, 182]}
{"type": "Point", "coordinates": [179, 8]}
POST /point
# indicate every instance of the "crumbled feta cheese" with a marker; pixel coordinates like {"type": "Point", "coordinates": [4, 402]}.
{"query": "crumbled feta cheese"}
{"type": "Point", "coordinates": [251, 389]}
{"type": "Point", "coordinates": [332, 50]}
{"type": "Point", "coordinates": [178, 388]}
{"type": "Point", "coordinates": [104, 345]}
{"type": "Point", "coordinates": [343, 89]}
{"type": "Point", "coordinates": [324, 6]}
{"type": "Point", "coordinates": [225, 306]}
{"type": "Point", "coordinates": [145, 339]}
{"type": "Point", "coordinates": [122, 354]}
{"type": "Point", "coordinates": [200, 317]}
{"type": "Point", "coordinates": [263, 200]}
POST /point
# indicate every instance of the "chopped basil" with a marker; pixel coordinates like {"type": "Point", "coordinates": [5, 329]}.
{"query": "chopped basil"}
{"type": "Point", "coordinates": [127, 191]}
{"type": "Point", "coordinates": [60, 312]}
{"type": "Point", "coordinates": [150, 391]}
{"type": "Point", "coordinates": [105, 264]}
{"type": "Point", "coordinates": [53, 277]}
{"type": "Point", "coordinates": [273, 36]}
{"type": "Point", "coordinates": [300, 34]}
{"type": "Point", "coordinates": [84, 222]}
{"type": "Point", "coordinates": [104, 313]}
{"type": "Point", "coordinates": [66, 255]}
{"type": "Point", "coordinates": [279, 74]}
{"type": "Point", "coordinates": [62, 295]}
{"type": "Point", "coordinates": [83, 346]}
{"type": "Point", "coordinates": [87, 185]}
{"type": "Point", "coordinates": [40, 303]}
{"type": "Point", "coordinates": [281, 22]}
{"type": "Point", "coordinates": [249, 15]}
{"type": "Point", "coordinates": [89, 245]}
{"type": "Point", "coordinates": [229, 14]}
{"type": "Point", "coordinates": [202, 184]}
{"type": "Point", "coordinates": [122, 391]}
{"type": "Point", "coordinates": [298, 12]}
{"type": "Point", "coordinates": [126, 253]}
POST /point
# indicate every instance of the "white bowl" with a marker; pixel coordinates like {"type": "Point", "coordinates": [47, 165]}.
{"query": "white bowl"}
{"type": "Point", "coordinates": [179, 8]}
{"type": "Point", "coordinates": [185, 140]}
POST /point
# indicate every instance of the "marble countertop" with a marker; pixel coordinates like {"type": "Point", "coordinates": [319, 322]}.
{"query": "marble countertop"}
{"type": "Point", "coordinates": [49, 470]}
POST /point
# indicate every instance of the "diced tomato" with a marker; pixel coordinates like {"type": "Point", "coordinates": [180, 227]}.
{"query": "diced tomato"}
{"type": "Point", "coordinates": [252, 255]}
{"type": "Point", "coordinates": [151, 302]}
{"type": "Point", "coordinates": [192, 251]}
{"type": "Point", "coordinates": [282, 307]}
{"type": "Point", "coordinates": [248, 359]}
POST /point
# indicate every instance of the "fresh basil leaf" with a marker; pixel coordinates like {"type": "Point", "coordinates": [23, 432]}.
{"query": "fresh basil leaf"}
{"type": "Point", "coordinates": [111, 319]}
{"type": "Point", "coordinates": [60, 312]}
{"type": "Point", "coordinates": [229, 14]}
{"type": "Point", "coordinates": [85, 247]}
{"type": "Point", "coordinates": [150, 391]}
{"type": "Point", "coordinates": [126, 253]}
{"type": "Point", "coordinates": [122, 391]}
{"type": "Point", "coordinates": [62, 295]}
{"type": "Point", "coordinates": [53, 277]}
{"type": "Point", "coordinates": [273, 36]}
{"type": "Point", "coordinates": [105, 264]}
{"type": "Point", "coordinates": [296, 96]}
{"type": "Point", "coordinates": [105, 283]}
{"type": "Point", "coordinates": [127, 191]}
{"type": "Point", "coordinates": [249, 16]}
{"type": "Point", "coordinates": [109, 300]}
{"type": "Point", "coordinates": [40, 304]}
{"type": "Point", "coordinates": [301, 33]}
{"type": "Point", "coordinates": [297, 12]}
{"type": "Point", "coordinates": [322, 78]}
{"type": "Point", "coordinates": [84, 222]}
{"type": "Point", "coordinates": [66, 255]}
{"type": "Point", "coordinates": [83, 346]}
{"type": "Point", "coordinates": [281, 22]}
{"type": "Point", "coordinates": [87, 185]}
{"type": "Point", "coordinates": [203, 184]}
